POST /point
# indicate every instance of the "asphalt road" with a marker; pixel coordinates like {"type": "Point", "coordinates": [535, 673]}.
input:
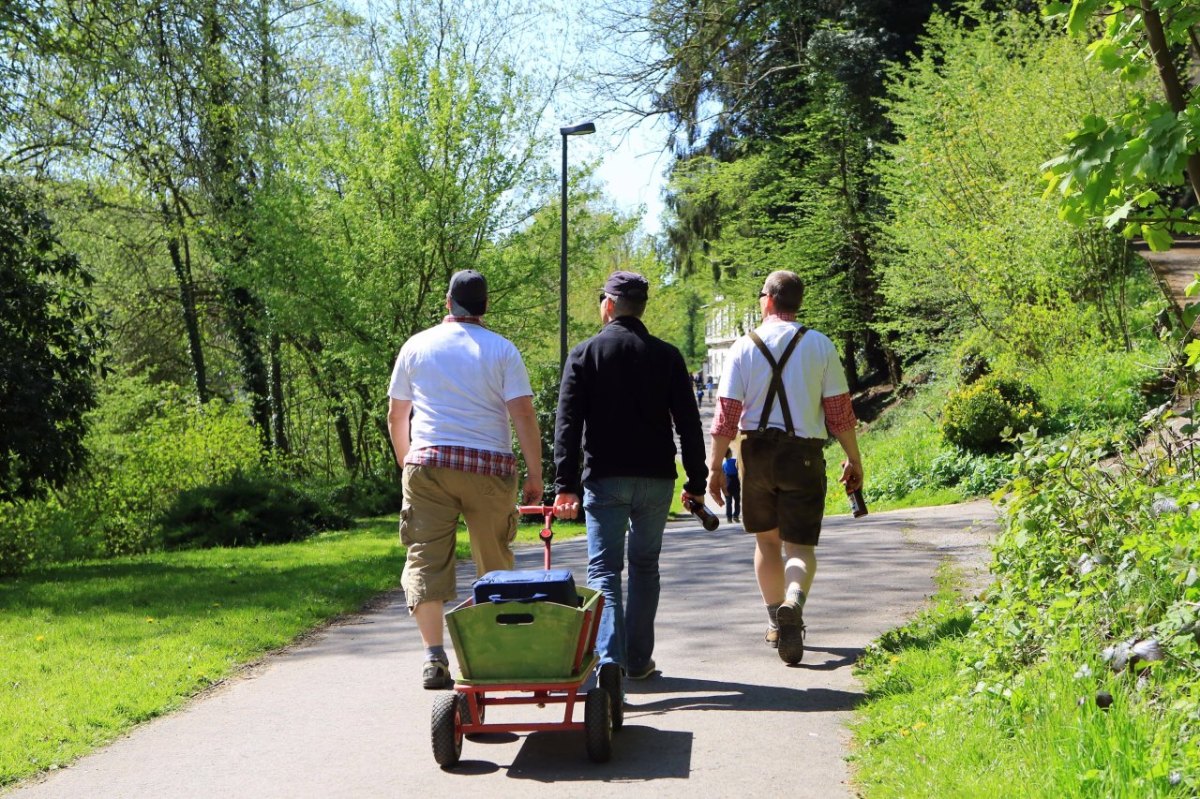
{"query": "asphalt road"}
{"type": "Point", "coordinates": [343, 714]}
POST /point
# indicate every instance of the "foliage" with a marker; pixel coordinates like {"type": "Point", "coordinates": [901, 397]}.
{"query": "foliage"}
{"type": "Point", "coordinates": [971, 244]}
{"type": "Point", "coordinates": [1127, 165]}
{"type": "Point", "coordinates": [367, 496]}
{"type": "Point", "coordinates": [33, 531]}
{"type": "Point", "coordinates": [149, 444]}
{"type": "Point", "coordinates": [244, 510]}
{"type": "Point", "coordinates": [50, 339]}
{"type": "Point", "coordinates": [1086, 645]}
{"type": "Point", "coordinates": [412, 165]}
{"type": "Point", "coordinates": [979, 416]}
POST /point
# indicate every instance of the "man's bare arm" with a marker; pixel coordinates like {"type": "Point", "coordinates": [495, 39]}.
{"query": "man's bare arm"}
{"type": "Point", "coordinates": [398, 413]}
{"type": "Point", "coordinates": [524, 419]}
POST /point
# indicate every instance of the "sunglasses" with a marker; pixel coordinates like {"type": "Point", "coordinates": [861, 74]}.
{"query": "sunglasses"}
{"type": "Point", "coordinates": [603, 296]}
{"type": "Point", "coordinates": [762, 294]}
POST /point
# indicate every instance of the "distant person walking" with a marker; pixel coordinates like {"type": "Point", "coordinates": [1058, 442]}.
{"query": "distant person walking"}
{"type": "Point", "coordinates": [624, 396]}
{"type": "Point", "coordinates": [733, 488]}
{"type": "Point", "coordinates": [785, 389]}
{"type": "Point", "coordinates": [455, 387]}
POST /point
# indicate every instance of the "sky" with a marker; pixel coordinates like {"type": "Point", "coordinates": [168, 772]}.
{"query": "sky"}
{"type": "Point", "coordinates": [631, 154]}
{"type": "Point", "coordinates": [631, 167]}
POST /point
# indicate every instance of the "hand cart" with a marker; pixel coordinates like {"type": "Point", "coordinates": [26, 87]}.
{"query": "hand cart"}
{"type": "Point", "coordinates": [540, 653]}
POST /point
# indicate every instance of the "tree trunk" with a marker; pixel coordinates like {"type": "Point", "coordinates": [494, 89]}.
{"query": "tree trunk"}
{"type": "Point", "coordinates": [1172, 86]}
{"type": "Point", "coordinates": [181, 262]}
{"type": "Point", "coordinates": [850, 363]}
{"type": "Point", "coordinates": [240, 310]}
{"type": "Point", "coordinates": [228, 195]}
{"type": "Point", "coordinates": [309, 350]}
{"type": "Point", "coordinates": [278, 435]}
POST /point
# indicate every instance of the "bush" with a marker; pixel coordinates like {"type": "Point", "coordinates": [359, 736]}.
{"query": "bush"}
{"type": "Point", "coordinates": [245, 510]}
{"type": "Point", "coordinates": [149, 443]}
{"type": "Point", "coordinates": [976, 417]}
{"type": "Point", "coordinates": [30, 533]}
{"type": "Point", "coordinates": [368, 496]}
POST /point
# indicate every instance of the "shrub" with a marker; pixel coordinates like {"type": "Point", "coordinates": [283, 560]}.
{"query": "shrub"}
{"type": "Point", "coordinates": [29, 533]}
{"type": "Point", "coordinates": [368, 496]}
{"type": "Point", "coordinates": [974, 475]}
{"type": "Point", "coordinates": [976, 417]}
{"type": "Point", "coordinates": [244, 510]}
{"type": "Point", "coordinates": [150, 442]}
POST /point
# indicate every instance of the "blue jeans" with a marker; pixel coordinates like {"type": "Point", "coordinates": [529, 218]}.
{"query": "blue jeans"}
{"type": "Point", "coordinates": [614, 505]}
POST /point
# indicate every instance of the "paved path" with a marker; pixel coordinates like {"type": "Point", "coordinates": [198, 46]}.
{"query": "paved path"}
{"type": "Point", "coordinates": [1174, 269]}
{"type": "Point", "coordinates": [342, 715]}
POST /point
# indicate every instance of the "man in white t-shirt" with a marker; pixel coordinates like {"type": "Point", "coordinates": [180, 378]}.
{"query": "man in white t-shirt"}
{"type": "Point", "coordinates": [454, 389]}
{"type": "Point", "coordinates": [784, 389]}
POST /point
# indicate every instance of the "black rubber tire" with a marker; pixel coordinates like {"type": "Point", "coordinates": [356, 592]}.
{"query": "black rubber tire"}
{"type": "Point", "coordinates": [446, 730]}
{"type": "Point", "coordinates": [610, 680]}
{"type": "Point", "coordinates": [597, 725]}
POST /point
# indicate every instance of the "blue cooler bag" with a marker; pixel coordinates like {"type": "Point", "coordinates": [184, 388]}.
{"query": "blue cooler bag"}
{"type": "Point", "coordinates": [540, 585]}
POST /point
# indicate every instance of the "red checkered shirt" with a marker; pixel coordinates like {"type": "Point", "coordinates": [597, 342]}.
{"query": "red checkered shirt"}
{"type": "Point", "coordinates": [464, 459]}
{"type": "Point", "coordinates": [839, 415]}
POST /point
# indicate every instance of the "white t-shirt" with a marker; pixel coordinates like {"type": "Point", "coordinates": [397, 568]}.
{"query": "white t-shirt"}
{"type": "Point", "coordinates": [813, 371]}
{"type": "Point", "coordinates": [459, 377]}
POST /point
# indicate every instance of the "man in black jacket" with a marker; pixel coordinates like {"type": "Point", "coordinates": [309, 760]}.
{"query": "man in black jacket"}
{"type": "Point", "coordinates": [623, 394]}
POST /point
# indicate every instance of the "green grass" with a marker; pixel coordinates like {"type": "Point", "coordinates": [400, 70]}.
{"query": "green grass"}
{"type": "Point", "coordinates": [930, 727]}
{"type": "Point", "coordinates": [89, 649]}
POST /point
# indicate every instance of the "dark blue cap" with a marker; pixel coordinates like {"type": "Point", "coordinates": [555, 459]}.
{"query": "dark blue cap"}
{"type": "Point", "coordinates": [630, 285]}
{"type": "Point", "coordinates": [468, 288]}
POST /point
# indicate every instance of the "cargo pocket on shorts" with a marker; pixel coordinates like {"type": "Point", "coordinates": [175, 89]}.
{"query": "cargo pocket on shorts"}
{"type": "Point", "coordinates": [512, 526]}
{"type": "Point", "coordinates": [406, 525]}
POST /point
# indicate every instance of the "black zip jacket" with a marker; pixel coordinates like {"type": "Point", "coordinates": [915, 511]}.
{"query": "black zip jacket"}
{"type": "Point", "coordinates": [621, 391]}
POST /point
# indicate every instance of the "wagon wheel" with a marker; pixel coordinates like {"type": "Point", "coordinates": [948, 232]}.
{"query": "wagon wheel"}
{"type": "Point", "coordinates": [598, 724]}
{"type": "Point", "coordinates": [610, 680]}
{"type": "Point", "coordinates": [446, 732]}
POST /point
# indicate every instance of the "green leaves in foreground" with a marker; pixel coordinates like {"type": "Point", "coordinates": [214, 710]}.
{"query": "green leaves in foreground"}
{"type": "Point", "coordinates": [1112, 168]}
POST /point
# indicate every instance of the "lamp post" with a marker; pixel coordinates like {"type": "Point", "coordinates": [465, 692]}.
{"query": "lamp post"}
{"type": "Point", "coordinates": [582, 129]}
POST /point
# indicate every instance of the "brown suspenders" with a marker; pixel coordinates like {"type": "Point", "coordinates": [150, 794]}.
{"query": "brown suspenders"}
{"type": "Point", "coordinates": [776, 386]}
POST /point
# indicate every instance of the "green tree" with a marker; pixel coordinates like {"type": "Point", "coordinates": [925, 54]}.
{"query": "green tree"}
{"type": "Point", "coordinates": [417, 163]}
{"type": "Point", "coordinates": [971, 244]}
{"type": "Point", "coordinates": [50, 341]}
{"type": "Point", "coordinates": [776, 120]}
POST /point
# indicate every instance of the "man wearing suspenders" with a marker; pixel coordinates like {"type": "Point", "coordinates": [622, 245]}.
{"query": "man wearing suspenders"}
{"type": "Point", "coordinates": [784, 389]}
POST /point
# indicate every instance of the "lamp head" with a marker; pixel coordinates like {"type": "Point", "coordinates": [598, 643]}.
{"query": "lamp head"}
{"type": "Point", "coordinates": [582, 129]}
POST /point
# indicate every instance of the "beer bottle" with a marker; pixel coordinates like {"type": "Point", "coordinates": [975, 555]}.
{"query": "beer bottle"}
{"type": "Point", "coordinates": [701, 512]}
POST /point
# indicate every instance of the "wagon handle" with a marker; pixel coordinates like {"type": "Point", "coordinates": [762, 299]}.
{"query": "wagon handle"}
{"type": "Point", "coordinates": [546, 534]}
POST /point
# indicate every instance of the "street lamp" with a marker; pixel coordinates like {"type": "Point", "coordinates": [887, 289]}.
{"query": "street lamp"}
{"type": "Point", "coordinates": [582, 129]}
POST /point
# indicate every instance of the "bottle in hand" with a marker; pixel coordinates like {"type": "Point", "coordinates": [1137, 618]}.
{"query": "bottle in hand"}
{"type": "Point", "coordinates": [706, 517]}
{"type": "Point", "coordinates": [858, 505]}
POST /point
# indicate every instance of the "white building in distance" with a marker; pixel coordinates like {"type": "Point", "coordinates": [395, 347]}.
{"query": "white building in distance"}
{"type": "Point", "coordinates": [725, 324]}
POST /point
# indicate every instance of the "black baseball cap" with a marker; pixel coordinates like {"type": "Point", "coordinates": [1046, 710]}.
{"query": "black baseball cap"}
{"type": "Point", "coordinates": [630, 285]}
{"type": "Point", "coordinates": [468, 288]}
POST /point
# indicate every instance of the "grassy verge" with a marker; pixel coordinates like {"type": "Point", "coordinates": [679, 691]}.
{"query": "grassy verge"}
{"type": "Point", "coordinates": [89, 649]}
{"type": "Point", "coordinates": [932, 727]}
